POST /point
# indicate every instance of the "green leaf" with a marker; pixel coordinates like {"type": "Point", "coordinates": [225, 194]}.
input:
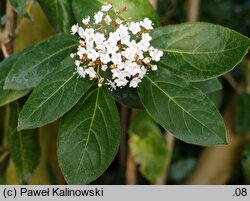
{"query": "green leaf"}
{"type": "Point", "coordinates": [20, 6]}
{"type": "Point", "coordinates": [128, 96]}
{"type": "Point", "coordinates": [245, 162]}
{"type": "Point", "coordinates": [242, 114]}
{"type": "Point", "coordinates": [24, 146]}
{"type": "Point", "coordinates": [59, 13]}
{"type": "Point", "coordinates": [148, 147]}
{"type": "Point", "coordinates": [181, 169]}
{"type": "Point", "coordinates": [216, 97]}
{"type": "Point", "coordinates": [89, 137]}
{"type": "Point", "coordinates": [199, 51]}
{"type": "Point", "coordinates": [182, 109]}
{"type": "Point", "coordinates": [33, 66]}
{"type": "Point", "coordinates": [136, 9]}
{"type": "Point", "coordinates": [208, 86]}
{"type": "Point", "coordinates": [57, 93]}
{"type": "Point", "coordinates": [7, 96]}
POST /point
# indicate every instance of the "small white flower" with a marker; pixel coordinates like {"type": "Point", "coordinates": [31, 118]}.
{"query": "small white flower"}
{"type": "Point", "coordinates": [117, 58]}
{"type": "Point", "coordinates": [91, 72]}
{"type": "Point", "coordinates": [93, 55]}
{"type": "Point", "coordinates": [143, 72]}
{"type": "Point", "coordinates": [154, 68]}
{"type": "Point", "coordinates": [77, 63]}
{"type": "Point", "coordinates": [146, 60]}
{"type": "Point", "coordinates": [104, 67]}
{"type": "Point", "coordinates": [108, 20]}
{"type": "Point", "coordinates": [111, 85]}
{"type": "Point", "coordinates": [98, 17]}
{"type": "Point", "coordinates": [86, 20]}
{"type": "Point", "coordinates": [129, 54]}
{"type": "Point", "coordinates": [134, 82]}
{"type": "Point", "coordinates": [134, 27]}
{"type": "Point", "coordinates": [106, 7]}
{"type": "Point", "coordinates": [147, 24]}
{"type": "Point", "coordinates": [72, 55]}
{"type": "Point", "coordinates": [114, 36]}
{"type": "Point", "coordinates": [81, 32]}
{"type": "Point", "coordinates": [105, 58]}
{"type": "Point", "coordinates": [146, 37]}
{"type": "Point", "coordinates": [143, 45]}
{"type": "Point", "coordinates": [74, 29]}
{"type": "Point", "coordinates": [99, 37]}
{"type": "Point", "coordinates": [89, 33]}
{"type": "Point", "coordinates": [111, 46]}
{"type": "Point", "coordinates": [156, 54]}
{"type": "Point", "coordinates": [120, 82]}
{"type": "Point", "coordinates": [81, 71]}
{"type": "Point", "coordinates": [118, 21]}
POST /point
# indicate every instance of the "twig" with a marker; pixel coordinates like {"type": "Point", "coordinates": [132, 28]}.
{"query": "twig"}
{"type": "Point", "coordinates": [154, 3]}
{"type": "Point", "coordinates": [131, 169]}
{"type": "Point", "coordinates": [4, 156]}
{"type": "Point", "coordinates": [229, 78]}
{"type": "Point", "coordinates": [170, 143]}
{"type": "Point", "coordinates": [7, 34]}
{"type": "Point", "coordinates": [4, 50]}
{"type": "Point", "coordinates": [193, 10]}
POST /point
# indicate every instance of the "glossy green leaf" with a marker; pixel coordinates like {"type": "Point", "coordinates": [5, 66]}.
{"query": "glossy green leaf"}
{"type": "Point", "coordinates": [57, 93]}
{"type": "Point", "coordinates": [89, 137]}
{"type": "Point", "coordinates": [242, 114]}
{"type": "Point", "coordinates": [182, 109]}
{"type": "Point", "coordinates": [216, 97]}
{"type": "Point", "coordinates": [199, 51]}
{"type": "Point", "coordinates": [7, 96]}
{"type": "Point", "coordinates": [245, 162]}
{"type": "Point", "coordinates": [136, 9]}
{"type": "Point", "coordinates": [148, 147]}
{"type": "Point", "coordinates": [24, 146]}
{"type": "Point", "coordinates": [128, 96]}
{"type": "Point", "coordinates": [208, 86]}
{"type": "Point", "coordinates": [20, 6]}
{"type": "Point", "coordinates": [33, 66]}
{"type": "Point", "coordinates": [59, 14]}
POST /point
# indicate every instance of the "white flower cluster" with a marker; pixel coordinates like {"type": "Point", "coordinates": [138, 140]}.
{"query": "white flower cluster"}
{"type": "Point", "coordinates": [114, 47]}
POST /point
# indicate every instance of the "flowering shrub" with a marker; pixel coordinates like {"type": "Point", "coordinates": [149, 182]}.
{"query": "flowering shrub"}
{"type": "Point", "coordinates": [117, 56]}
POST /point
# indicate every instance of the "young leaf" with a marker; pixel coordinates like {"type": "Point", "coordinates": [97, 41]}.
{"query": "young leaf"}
{"type": "Point", "coordinates": [89, 137]}
{"type": "Point", "coordinates": [148, 147]}
{"type": "Point", "coordinates": [59, 13]}
{"type": "Point", "coordinates": [208, 86]}
{"type": "Point", "coordinates": [182, 109]}
{"type": "Point", "coordinates": [134, 11]}
{"type": "Point", "coordinates": [7, 96]}
{"type": "Point", "coordinates": [24, 146]}
{"type": "Point", "coordinates": [199, 51]}
{"type": "Point", "coordinates": [57, 93]}
{"type": "Point", "coordinates": [242, 113]}
{"type": "Point", "coordinates": [33, 66]}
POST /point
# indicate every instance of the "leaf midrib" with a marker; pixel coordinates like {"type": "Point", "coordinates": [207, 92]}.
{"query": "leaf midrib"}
{"type": "Point", "coordinates": [89, 130]}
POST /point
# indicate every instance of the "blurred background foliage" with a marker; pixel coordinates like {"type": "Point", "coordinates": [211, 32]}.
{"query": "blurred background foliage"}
{"type": "Point", "coordinates": [180, 163]}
